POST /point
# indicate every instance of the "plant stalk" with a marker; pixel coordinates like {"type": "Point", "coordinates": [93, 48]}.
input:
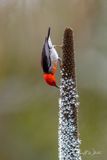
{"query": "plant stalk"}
{"type": "Point", "coordinates": [68, 136]}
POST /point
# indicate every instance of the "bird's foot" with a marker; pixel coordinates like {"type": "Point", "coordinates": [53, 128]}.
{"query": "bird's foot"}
{"type": "Point", "coordinates": [60, 46]}
{"type": "Point", "coordinates": [60, 62]}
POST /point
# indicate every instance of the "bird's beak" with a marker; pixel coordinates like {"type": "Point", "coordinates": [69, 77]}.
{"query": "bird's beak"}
{"type": "Point", "coordinates": [57, 86]}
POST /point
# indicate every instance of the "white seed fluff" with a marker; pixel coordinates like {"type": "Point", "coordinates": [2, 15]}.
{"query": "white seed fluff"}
{"type": "Point", "coordinates": [69, 144]}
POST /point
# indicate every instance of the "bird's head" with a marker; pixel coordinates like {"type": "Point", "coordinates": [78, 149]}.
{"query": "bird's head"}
{"type": "Point", "coordinates": [50, 79]}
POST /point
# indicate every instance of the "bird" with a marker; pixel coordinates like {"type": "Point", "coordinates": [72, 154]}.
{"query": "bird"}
{"type": "Point", "coordinates": [49, 61]}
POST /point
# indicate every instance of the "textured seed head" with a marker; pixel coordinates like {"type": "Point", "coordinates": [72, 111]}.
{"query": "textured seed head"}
{"type": "Point", "coordinates": [68, 104]}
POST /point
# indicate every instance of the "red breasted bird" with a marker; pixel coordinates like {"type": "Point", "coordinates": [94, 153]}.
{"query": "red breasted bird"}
{"type": "Point", "coordinates": [49, 61]}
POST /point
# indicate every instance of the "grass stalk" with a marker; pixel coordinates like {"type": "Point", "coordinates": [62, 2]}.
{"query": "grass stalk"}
{"type": "Point", "coordinates": [68, 136]}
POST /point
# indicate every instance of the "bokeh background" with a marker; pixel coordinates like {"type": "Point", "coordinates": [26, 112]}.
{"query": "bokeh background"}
{"type": "Point", "coordinates": [29, 107]}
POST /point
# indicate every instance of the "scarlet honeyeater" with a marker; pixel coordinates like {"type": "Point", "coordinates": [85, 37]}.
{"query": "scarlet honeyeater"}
{"type": "Point", "coordinates": [49, 61]}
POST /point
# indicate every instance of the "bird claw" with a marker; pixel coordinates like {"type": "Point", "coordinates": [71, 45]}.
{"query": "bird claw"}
{"type": "Point", "coordinates": [60, 62]}
{"type": "Point", "coordinates": [60, 46]}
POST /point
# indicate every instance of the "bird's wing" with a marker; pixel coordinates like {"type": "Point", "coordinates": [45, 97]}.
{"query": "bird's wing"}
{"type": "Point", "coordinates": [46, 60]}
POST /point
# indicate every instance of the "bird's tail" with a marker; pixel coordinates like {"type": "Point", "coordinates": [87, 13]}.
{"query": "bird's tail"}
{"type": "Point", "coordinates": [49, 30]}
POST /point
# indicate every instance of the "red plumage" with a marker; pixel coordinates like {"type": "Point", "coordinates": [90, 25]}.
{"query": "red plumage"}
{"type": "Point", "coordinates": [50, 79]}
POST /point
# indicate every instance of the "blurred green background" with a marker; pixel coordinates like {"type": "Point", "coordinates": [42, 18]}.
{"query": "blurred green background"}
{"type": "Point", "coordinates": [29, 107]}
